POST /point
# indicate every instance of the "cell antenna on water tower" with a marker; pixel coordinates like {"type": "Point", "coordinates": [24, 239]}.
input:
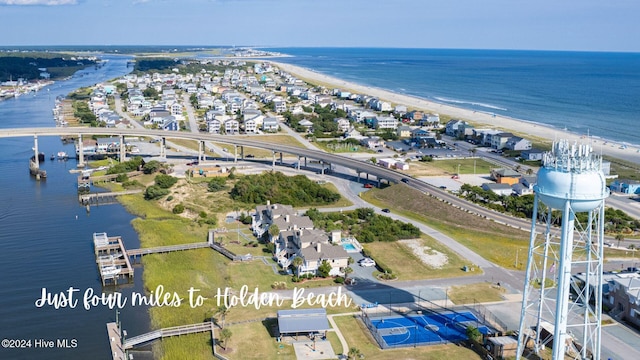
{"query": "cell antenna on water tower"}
{"type": "Point", "coordinates": [556, 310]}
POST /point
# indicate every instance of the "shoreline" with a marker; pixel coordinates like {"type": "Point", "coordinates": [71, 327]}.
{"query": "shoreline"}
{"type": "Point", "coordinates": [600, 144]}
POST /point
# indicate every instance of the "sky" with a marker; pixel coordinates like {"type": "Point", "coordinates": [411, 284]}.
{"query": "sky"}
{"type": "Point", "coordinates": [574, 25]}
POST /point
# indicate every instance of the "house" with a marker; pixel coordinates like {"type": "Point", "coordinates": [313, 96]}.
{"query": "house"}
{"type": "Point", "coordinates": [499, 141]}
{"type": "Point", "coordinates": [520, 189]}
{"type": "Point", "coordinates": [250, 126]}
{"type": "Point", "coordinates": [531, 155]}
{"type": "Point", "coordinates": [270, 124]}
{"type": "Point", "coordinates": [213, 126]}
{"type": "Point", "coordinates": [505, 176]}
{"type": "Point", "coordinates": [403, 131]}
{"type": "Point", "coordinates": [624, 295]}
{"type": "Point", "coordinates": [231, 127]}
{"type": "Point", "coordinates": [625, 186]}
{"type": "Point", "coordinates": [308, 125]}
{"type": "Point", "coordinates": [343, 124]}
{"type": "Point", "coordinates": [385, 122]}
{"type": "Point", "coordinates": [317, 252]}
{"type": "Point", "coordinates": [266, 214]}
{"type": "Point", "coordinates": [499, 189]}
{"type": "Point", "coordinates": [458, 129]}
{"type": "Point", "coordinates": [372, 142]}
{"type": "Point", "coordinates": [517, 143]}
{"type": "Point", "coordinates": [279, 106]}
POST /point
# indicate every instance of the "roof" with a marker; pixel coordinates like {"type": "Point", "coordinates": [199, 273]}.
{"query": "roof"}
{"type": "Point", "coordinates": [507, 173]}
{"type": "Point", "coordinates": [327, 252]}
{"type": "Point", "coordinates": [304, 320]}
{"type": "Point", "coordinates": [502, 340]}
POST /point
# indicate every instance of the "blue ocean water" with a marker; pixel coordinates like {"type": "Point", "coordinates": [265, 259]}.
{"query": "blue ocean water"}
{"type": "Point", "coordinates": [591, 92]}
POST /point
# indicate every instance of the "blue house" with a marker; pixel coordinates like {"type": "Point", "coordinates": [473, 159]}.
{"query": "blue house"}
{"type": "Point", "coordinates": [625, 186]}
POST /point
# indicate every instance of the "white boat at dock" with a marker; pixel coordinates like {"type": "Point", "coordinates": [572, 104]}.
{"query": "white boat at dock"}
{"type": "Point", "coordinates": [62, 155]}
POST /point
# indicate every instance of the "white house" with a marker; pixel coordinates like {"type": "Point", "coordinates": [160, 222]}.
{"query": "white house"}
{"type": "Point", "coordinates": [231, 127]}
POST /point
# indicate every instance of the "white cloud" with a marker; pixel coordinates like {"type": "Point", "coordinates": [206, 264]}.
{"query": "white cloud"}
{"type": "Point", "coordinates": [38, 2]}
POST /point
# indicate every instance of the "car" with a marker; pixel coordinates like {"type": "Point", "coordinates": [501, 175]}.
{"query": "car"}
{"type": "Point", "coordinates": [405, 180]}
{"type": "Point", "coordinates": [380, 150]}
{"type": "Point", "coordinates": [455, 177]}
{"type": "Point", "coordinates": [367, 262]}
{"type": "Point", "coordinates": [250, 156]}
{"type": "Point", "coordinates": [443, 187]}
{"type": "Point", "coordinates": [368, 186]}
{"type": "Point", "coordinates": [386, 210]}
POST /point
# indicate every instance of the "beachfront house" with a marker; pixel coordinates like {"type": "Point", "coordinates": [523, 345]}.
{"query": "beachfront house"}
{"type": "Point", "coordinates": [385, 122]}
{"type": "Point", "coordinates": [499, 141]}
{"type": "Point", "coordinates": [458, 129]}
{"type": "Point", "coordinates": [517, 143]}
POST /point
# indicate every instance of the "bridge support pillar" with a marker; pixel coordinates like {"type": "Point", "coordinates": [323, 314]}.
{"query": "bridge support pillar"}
{"type": "Point", "coordinates": [321, 167]}
{"type": "Point", "coordinates": [123, 150]}
{"type": "Point", "coordinates": [379, 182]}
{"type": "Point", "coordinates": [305, 161]}
{"type": "Point", "coordinates": [298, 164]}
{"type": "Point", "coordinates": [201, 154]}
{"type": "Point", "coordinates": [367, 174]}
{"type": "Point", "coordinates": [235, 153]}
{"type": "Point", "coordinates": [358, 178]}
{"type": "Point", "coordinates": [35, 149]}
{"type": "Point", "coordinates": [281, 159]}
{"type": "Point", "coordinates": [80, 147]}
{"type": "Point", "coordinates": [273, 161]}
{"type": "Point", "coordinates": [163, 148]}
{"type": "Point", "coordinates": [241, 152]}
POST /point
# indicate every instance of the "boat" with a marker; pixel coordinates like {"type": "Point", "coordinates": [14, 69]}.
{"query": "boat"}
{"type": "Point", "coordinates": [53, 157]}
{"type": "Point", "coordinates": [62, 155]}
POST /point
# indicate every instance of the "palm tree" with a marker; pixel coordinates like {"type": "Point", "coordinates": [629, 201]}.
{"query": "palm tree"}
{"type": "Point", "coordinates": [620, 239]}
{"type": "Point", "coordinates": [354, 353]}
{"type": "Point", "coordinates": [274, 231]}
{"type": "Point", "coordinates": [297, 262]}
{"type": "Point", "coordinates": [225, 335]}
{"type": "Point", "coordinates": [223, 311]}
{"type": "Point", "coordinates": [348, 270]}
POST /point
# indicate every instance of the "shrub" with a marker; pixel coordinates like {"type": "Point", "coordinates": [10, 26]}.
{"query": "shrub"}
{"type": "Point", "coordinates": [339, 280]}
{"type": "Point", "coordinates": [165, 181]}
{"type": "Point", "coordinates": [155, 192]}
{"type": "Point", "coordinates": [170, 197]}
{"type": "Point", "coordinates": [121, 178]}
{"type": "Point", "coordinates": [203, 214]}
{"type": "Point", "coordinates": [178, 209]}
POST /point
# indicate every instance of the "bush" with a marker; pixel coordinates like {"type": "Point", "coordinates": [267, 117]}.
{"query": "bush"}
{"type": "Point", "coordinates": [203, 214]}
{"type": "Point", "coordinates": [121, 178]}
{"type": "Point", "coordinates": [165, 181]}
{"type": "Point", "coordinates": [217, 184]}
{"type": "Point", "coordinates": [178, 209]}
{"type": "Point", "coordinates": [339, 280]}
{"type": "Point", "coordinates": [170, 197]}
{"type": "Point", "coordinates": [155, 192]}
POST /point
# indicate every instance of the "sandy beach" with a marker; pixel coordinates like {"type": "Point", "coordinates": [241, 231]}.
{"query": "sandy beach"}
{"type": "Point", "coordinates": [610, 148]}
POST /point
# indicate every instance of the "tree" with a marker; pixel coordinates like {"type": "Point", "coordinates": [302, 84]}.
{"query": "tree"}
{"type": "Point", "coordinates": [348, 270]}
{"type": "Point", "coordinates": [324, 269]}
{"type": "Point", "coordinates": [217, 184]}
{"type": "Point", "coordinates": [165, 181]}
{"type": "Point", "coordinates": [473, 333]}
{"type": "Point", "coordinates": [225, 336]}
{"type": "Point", "coordinates": [296, 263]}
{"type": "Point", "coordinates": [274, 231]}
{"type": "Point", "coordinates": [354, 353]}
{"type": "Point", "coordinates": [151, 167]}
{"type": "Point", "coordinates": [620, 238]}
{"type": "Point", "coordinates": [222, 311]}
{"type": "Point", "coordinates": [373, 160]}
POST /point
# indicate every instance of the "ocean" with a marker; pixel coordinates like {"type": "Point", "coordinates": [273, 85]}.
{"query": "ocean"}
{"type": "Point", "coordinates": [46, 236]}
{"type": "Point", "coordinates": [594, 93]}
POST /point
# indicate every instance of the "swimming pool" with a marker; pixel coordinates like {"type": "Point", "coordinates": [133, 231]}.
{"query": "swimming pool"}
{"type": "Point", "coordinates": [349, 247]}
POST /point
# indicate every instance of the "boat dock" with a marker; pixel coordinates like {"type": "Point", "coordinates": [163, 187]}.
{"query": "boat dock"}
{"type": "Point", "coordinates": [111, 258]}
{"type": "Point", "coordinates": [103, 198]}
{"type": "Point", "coordinates": [115, 261]}
{"type": "Point", "coordinates": [119, 346]}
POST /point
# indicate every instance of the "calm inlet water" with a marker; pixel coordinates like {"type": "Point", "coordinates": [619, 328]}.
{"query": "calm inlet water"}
{"type": "Point", "coordinates": [46, 237]}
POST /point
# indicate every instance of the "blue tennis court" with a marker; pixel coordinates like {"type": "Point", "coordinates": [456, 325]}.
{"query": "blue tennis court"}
{"type": "Point", "coordinates": [426, 328]}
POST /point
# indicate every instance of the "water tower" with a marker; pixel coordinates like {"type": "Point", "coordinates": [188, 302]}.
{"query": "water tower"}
{"type": "Point", "coordinates": [559, 310]}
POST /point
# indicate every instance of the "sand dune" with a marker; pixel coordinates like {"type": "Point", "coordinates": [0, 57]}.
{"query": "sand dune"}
{"type": "Point", "coordinates": [491, 121]}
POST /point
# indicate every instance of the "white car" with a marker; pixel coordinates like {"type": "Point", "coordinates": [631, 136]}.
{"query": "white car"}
{"type": "Point", "coordinates": [366, 262]}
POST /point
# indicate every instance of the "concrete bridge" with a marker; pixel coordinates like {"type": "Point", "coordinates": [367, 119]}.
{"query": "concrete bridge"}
{"type": "Point", "coordinates": [324, 158]}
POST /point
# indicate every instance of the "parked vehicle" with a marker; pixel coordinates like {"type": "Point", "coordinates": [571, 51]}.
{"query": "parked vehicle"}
{"type": "Point", "coordinates": [367, 262]}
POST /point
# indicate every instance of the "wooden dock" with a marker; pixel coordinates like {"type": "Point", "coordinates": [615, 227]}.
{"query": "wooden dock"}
{"type": "Point", "coordinates": [166, 332]}
{"type": "Point", "coordinates": [115, 342]}
{"type": "Point", "coordinates": [111, 258]}
{"type": "Point", "coordinates": [103, 197]}
{"type": "Point", "coordinates": [138, 253]}
{"type": "Point", "coordinates": [114, 260]}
